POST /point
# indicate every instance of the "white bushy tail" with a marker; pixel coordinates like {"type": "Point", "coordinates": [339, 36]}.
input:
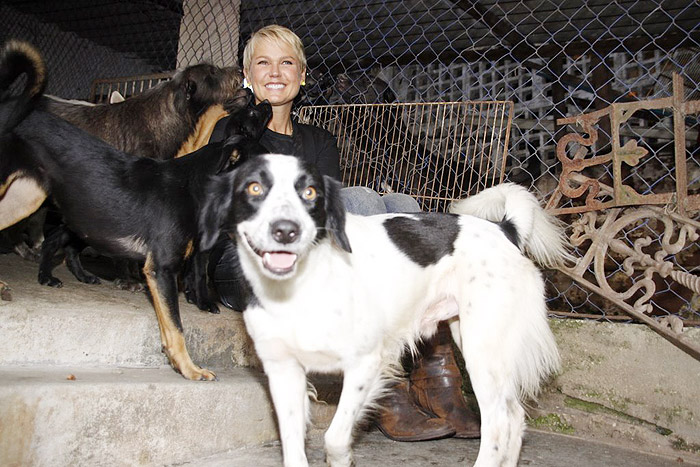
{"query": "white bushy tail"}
{"type": "Point", "coordinates": [540, 234]}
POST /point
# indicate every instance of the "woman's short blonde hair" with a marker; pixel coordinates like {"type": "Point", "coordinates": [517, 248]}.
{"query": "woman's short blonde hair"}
{"type": "Point", "coordinates": [277, 34]}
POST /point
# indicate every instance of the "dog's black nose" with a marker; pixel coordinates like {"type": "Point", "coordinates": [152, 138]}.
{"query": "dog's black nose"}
{"type": "Point", "coordinates": [285, 231]}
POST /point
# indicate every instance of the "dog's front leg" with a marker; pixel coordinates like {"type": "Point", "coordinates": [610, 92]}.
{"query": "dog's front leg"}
{"type": "Point", "coordinates": [288, 389]}
{"type": "Point", "coordinates": [162, 283]}
{"type": "Point", "coordinates": [361, 383]}
{"type": "Point", "coordinates": [197, 284]}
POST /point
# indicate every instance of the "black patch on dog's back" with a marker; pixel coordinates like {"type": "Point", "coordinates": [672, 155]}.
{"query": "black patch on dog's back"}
{"type": "Point", "coordinates": [425, 238]}
{"type": "Point", "coordinates": [510, 231]}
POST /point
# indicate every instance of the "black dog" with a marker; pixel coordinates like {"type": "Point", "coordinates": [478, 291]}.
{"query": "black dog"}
{"type": "Point", "coordinates": [246, 119]}
{"type": "Point", "coordinates": [129, 207]}
{"type": "Point", "coordinates": [157, 124]}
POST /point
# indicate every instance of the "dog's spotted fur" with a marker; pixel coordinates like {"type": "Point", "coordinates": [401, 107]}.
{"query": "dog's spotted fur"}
{"type": "Point", "coordinates": [337, 292]}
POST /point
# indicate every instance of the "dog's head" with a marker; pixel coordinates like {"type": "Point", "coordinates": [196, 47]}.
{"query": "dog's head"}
{"type": "Point", "coordinates": [249, 121]}
{"type": "Point", "coordinates": [203, 85]}
{"type": "Point", "coordinates": [278, 207]}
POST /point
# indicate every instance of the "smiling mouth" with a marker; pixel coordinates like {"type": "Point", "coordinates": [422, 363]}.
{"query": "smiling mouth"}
{"type": "Point", "coordinates": [277, 262]}
{"type": "Point", "coordinates": [274, 86]}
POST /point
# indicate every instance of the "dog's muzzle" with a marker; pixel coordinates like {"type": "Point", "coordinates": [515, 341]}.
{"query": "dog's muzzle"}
{"type": "Point", "coordinates": [279, 262]}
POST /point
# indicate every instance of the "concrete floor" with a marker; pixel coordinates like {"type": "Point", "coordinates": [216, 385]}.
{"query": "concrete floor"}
{"type": "Point", "coordinates": [544, 449]}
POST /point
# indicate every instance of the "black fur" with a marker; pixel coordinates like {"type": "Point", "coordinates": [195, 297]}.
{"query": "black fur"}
{"type": "Point", "coordinates": [510, 231]}
{"type": "Point", "coordinates": [248, 118]}
{"type": "Point", "coordinates": [425, 237]}
{"type": "Point", "coordinates": [250, 122]}
{"type": "Point", "coordinates": [154, 124]}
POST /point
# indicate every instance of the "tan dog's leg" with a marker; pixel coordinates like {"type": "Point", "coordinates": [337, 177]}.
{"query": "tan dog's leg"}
{"type": "Point", "coordinates": [163, 287]}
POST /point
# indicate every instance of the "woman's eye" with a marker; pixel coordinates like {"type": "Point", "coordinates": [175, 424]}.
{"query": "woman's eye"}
{"type": "Point", "coordinates": [255, 189]}
{"type": "Point", "coordinates": [309, 193]}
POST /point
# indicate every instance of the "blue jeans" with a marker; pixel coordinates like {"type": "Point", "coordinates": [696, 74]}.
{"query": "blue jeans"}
{"type": "Point", "coordinates": [366, 202]}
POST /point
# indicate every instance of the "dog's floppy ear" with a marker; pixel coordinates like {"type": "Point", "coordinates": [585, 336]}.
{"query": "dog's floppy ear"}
{"type": "Point", "coordinates": [335, 213]}
{"type": "Point", "coordinates": [215, 209]}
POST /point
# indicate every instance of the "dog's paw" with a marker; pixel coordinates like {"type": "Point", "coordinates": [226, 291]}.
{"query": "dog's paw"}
{"type": "Point", "coordinates": [5, 292]}
{"type": "Point", "coordinates": [213, 308]}
{"type": "Point", "coordinates": [131, 286]}
{"type": "Point", "coordinates": [47, 279]}
{"type": "Point", "coordinates": [203, 303]}
{"type": "Point", "coordinates": [89, 279]}
{"type": "Point", "coordinates": [338, 455]}
{"type": "Point", "coordinates": [199, 374]}
{"type": "Point", "coordinates": [342, 461]}
{"type": "Point", "coordinates": [29, 253]}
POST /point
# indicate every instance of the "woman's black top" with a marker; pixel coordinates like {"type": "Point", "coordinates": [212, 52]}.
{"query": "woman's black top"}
{"type": "Point", "coordinates": [310, 143]}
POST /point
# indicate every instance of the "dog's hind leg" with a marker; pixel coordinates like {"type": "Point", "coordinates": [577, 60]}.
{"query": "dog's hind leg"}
{"type": "Point", "coordinates": [502, 415]}
{"type": "Point", "coordinates": [502, 427]}
{"type": "Point", "coordinates": [287, 382]}
{"type": "Point", "coordinates": [72, 250]}
{"type": "Point", "coordinates": [162, 284]}
{"type": "Point", "coordinates": [56, 240]}
{"type": "Point", "coordinates": [361, 384]}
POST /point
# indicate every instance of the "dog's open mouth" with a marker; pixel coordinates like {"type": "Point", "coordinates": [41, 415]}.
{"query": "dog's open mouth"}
{"type": "Point", "coordinates": [277, 262]}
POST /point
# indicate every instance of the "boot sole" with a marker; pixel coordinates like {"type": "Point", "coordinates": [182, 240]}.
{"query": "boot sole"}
{"type": "Point", "coordinates": [446, 433]}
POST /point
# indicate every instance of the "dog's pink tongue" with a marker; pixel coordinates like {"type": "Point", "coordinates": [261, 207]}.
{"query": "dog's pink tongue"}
{"type": "Point", "coordinates": [279, 261]}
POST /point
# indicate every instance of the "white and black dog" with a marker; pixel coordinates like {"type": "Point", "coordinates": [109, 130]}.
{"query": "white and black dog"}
{"type": "Point", "coordinates": [334, 292]}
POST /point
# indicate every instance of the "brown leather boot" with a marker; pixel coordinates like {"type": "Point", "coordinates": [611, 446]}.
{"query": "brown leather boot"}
{"type": "Point", "coordinates": [436, 383]}
{"type": "Point", "coordinates": [401, 419]}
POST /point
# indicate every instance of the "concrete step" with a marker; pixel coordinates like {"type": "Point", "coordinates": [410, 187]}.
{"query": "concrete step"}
{"type": "Point", "coordinates": [83, 380]}
{"type": "Point", "coordinates": [77, 415]}
{"type": "Point", "coordinates": [102, 325]}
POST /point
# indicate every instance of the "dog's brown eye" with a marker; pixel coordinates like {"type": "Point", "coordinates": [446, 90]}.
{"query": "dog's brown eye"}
{"type": "Point", "coordinates": [309, 193]}
{"type": "Point", "coordinates": [255, 189]}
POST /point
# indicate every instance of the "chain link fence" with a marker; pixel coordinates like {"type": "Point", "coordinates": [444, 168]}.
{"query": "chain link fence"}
{"type": "Point", "coordinates": [553, 59]}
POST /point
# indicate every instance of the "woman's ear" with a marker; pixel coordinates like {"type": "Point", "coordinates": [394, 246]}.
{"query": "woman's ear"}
{"type": "Point", "coordinates": [303, 77]}
{"type": "Point", "coordinates": [246, 81]}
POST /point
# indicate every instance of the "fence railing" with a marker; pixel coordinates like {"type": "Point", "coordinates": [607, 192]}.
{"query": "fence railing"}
{"type": "Point", "coordinates": [436, 151]}
{"type": "Point", "coordinates": [635, 207]}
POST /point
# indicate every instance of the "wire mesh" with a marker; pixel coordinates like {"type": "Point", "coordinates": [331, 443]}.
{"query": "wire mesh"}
{"type": "Point", "coordinates": [552, 59]}
{"type": "Point", "coordinates": [436, 152]}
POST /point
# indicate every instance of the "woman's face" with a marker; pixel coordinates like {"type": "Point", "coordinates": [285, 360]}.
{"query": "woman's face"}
{"type": "Point", "coordinates": [275, 73]}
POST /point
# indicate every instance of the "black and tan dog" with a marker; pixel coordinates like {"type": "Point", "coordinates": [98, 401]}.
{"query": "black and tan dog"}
{"type": "Point", "coordinates": [163, 122]}
{"type": "Point", "coordinates": [247, 118]}
{"type": "Point", "coordinates": [126, 206]}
